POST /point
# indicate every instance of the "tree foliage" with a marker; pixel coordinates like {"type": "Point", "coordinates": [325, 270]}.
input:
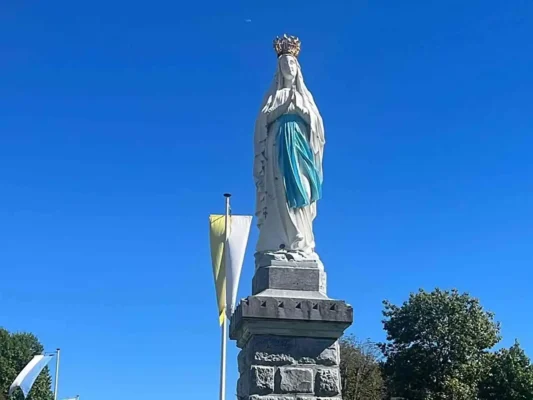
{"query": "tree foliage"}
{"type": "Point", "coordinates": [360, 370]}
{"type": "Point", "coordinates": [437, 345]}
{"type": "Point", "coordinates": [16, 351]}
{"type": "Point", "coordinates": [509, 376]}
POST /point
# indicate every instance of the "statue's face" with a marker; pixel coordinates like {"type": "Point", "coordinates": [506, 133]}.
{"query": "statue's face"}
{"type": "Point", "coordinates": [289, 67]}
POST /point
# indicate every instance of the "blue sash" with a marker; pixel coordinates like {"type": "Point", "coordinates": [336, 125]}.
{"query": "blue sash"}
{"type": "Point", "coordinates": [296, 160]}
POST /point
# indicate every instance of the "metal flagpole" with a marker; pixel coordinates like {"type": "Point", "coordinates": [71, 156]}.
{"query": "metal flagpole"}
{"type": "Point", "coordinates": [224, 320]}
{"type": "Point", "coordinates": [223, 362]}
{"type": "Point", "coordinates": [58, 352]}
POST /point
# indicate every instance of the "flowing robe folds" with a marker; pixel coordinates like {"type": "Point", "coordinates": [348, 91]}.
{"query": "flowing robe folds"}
{"type": "Point", "coordinates": [289, 143]}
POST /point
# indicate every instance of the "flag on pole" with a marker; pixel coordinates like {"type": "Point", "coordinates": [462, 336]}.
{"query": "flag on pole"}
{"type": "Point", "coordinates": [236, 247]}
{"type": "Point", "coordinates": [227, 255]}
{"type": "Point", "coordinates": [217, 235]}
{"type": "Point", "coordinates": [29, 374]}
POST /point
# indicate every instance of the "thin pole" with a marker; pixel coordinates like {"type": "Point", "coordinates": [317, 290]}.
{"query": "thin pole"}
{"type": "Point", "coordinates": [224, 320]}
{"type": "Point", "coordinates": [223, 362]}
{"type": "Point", "coordinates": [58, 353]}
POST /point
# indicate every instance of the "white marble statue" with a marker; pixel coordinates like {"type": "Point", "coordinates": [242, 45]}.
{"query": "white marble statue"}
{"type": "Point", "coordinates": [289, 145]}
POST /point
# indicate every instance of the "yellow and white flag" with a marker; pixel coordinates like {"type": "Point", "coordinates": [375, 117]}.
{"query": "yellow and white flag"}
{"type": "Point", "coordinates": [227, 255]}
{"type": "Point", "coordinates": [236, 247]}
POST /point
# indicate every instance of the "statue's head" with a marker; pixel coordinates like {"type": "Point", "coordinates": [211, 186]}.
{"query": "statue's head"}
{"type": "Point", "coordinates": [288, 66]}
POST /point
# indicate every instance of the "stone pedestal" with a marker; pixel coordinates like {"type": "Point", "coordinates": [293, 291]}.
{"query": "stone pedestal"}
{"type": "Point", "coordinates": [288, 331]}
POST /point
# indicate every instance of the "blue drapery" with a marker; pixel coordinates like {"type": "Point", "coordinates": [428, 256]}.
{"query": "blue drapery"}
{"type": "Point", "coordinates": [296, 159]}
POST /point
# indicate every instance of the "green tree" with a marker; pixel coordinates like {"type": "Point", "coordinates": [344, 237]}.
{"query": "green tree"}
{"type": "Point", "coordinates": [437, 345]}
{"type": "Point", "coordinates": [509, 376]}
{"type": "Point", "coordinates": [16, 351]}
{"type": "Point", "coordinates": [360, 370]}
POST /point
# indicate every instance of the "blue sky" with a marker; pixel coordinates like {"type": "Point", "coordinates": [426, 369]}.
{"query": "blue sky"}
{"type": "Point", "coordinates": [122, 123]}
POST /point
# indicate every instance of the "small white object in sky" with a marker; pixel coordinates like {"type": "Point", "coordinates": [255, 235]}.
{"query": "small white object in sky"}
{"type": "Point", "coordinates": [248, 20]}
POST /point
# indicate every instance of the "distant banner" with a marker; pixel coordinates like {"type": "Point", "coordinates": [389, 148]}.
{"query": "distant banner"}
{"type": "Point", "coordinates": [236, 248]}
{"type": "Point", "coordinates": [217, 235]}
{"type": "Point", "coordinates": [29, 374]}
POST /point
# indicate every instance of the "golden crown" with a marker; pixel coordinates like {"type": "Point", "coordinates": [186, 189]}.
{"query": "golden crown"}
{"type": "Point", "coordinates": [287, 45]}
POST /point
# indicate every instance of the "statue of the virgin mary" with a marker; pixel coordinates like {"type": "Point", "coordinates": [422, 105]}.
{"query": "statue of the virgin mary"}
{"type": "Point", "coordinates": [289, 145]}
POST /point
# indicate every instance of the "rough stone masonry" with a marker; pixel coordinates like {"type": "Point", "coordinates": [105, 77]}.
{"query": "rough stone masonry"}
{"type": "Point", "coordinates": [288, 331]}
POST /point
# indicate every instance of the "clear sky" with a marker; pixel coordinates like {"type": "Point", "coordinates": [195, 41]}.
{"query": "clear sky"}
{"type": "Point", "coordinates": [123, 122]}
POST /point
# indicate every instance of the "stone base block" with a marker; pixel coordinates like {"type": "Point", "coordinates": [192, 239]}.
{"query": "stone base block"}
{"type": "Point", "coordinates": [289, 368]}
{"type": "Point", "coordinates": [285, 397]}
{"type": "Point", "coordinates": [281, 316]}
{"type": "Point", "coordinates": [289, 278]}
{"type": "Point", "coordinates": [288, 332]}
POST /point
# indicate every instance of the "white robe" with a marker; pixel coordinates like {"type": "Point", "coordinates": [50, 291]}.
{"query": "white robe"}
{"type": "Point", "coordinates": [283, 228]}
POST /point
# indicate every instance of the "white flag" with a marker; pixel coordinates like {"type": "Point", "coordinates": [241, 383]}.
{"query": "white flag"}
{"type": "Point", "coordinates": [29, 374]}
{"type": "Point", "coordinates": [239, 230]}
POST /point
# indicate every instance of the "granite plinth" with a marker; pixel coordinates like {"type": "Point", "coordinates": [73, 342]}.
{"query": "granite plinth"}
{"type": "Point", "coordinates": [288, 333]}
{"type": "Point", "coordinates": [285, 368]}
{"type": "Point", "coordinates": [292, 278]}
{"type": "Point", "coordinates": [283, 316]}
